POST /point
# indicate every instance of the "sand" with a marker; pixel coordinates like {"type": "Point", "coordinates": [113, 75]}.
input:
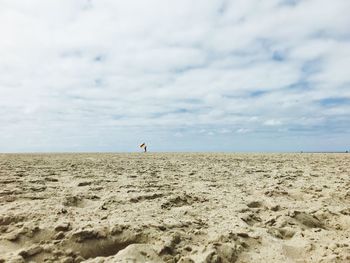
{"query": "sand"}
{"type": "Point", "coordinates": [175, 208]}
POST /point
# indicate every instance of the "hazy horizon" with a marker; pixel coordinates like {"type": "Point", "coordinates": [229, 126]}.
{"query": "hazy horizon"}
{"type": "Point", "coordinates": [182, 76]}
{"type": "Point", "coordinates": [179, 152]}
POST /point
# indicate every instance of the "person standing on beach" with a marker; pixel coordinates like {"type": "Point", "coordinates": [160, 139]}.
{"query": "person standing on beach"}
{"type": "Point", "coordinates": [144, 146]}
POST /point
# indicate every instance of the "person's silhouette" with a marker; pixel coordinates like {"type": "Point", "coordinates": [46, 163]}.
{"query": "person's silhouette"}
{"type": "Point", "coordinates": [144, 146]}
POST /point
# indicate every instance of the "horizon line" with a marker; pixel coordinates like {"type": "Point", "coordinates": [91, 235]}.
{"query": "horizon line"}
{"type": "Point", "coordinates": [128, 152]}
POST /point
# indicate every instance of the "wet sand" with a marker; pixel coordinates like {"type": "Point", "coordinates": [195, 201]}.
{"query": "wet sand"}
{"type": "Point", "coordinates": [154, 207]}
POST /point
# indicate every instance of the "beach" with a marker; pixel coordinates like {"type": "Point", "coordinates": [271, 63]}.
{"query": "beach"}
{"type": "Point", "coordinates": [175, 207]}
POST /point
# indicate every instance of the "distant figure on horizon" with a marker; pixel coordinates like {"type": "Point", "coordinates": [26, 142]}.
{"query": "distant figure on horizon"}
{"type": "Point", "coordinates": [144, 146]}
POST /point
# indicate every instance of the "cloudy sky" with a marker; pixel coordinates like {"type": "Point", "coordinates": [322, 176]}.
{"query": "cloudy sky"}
{"type": "Point", "coordinates": [180, 75]}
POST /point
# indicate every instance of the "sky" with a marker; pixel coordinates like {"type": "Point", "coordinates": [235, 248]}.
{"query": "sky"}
{"type": "Point", "coordinates": [179, 75]}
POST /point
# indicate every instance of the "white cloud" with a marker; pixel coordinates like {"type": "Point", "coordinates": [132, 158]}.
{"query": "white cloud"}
{"type": "Point", "coordinates": [243, 130]}
{"type": "Point", "coordinates": [272, 122]}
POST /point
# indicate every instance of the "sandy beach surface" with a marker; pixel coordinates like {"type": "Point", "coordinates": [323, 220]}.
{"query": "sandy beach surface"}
{"type": "Point", "coordinates": [156, 207]}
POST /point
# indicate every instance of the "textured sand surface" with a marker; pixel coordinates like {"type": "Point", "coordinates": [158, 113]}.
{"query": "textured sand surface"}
{"type": "Point", "coordinates": [175, 208]}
